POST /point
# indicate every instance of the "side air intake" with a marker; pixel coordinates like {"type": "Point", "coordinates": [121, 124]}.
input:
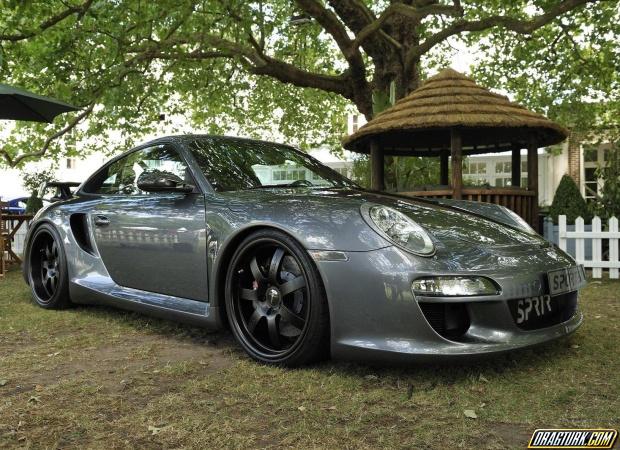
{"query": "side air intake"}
{"type": "Point", "coordinates": [79, 228]}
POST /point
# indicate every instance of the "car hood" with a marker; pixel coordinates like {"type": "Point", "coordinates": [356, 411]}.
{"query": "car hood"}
{"type": "Point", "coordinates": [337, 210]}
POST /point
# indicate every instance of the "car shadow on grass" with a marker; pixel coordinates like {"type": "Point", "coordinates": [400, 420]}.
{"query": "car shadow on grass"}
{"type": "Point", "coordinates": [447, 373]}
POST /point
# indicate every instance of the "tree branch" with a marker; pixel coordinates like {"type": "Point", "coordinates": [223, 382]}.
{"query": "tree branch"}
{"type": "Point", "coordinates": [288, 73]}
{"type": "Point", "coordinates": [356, 15]}
{"type": "Point", "coordinates": [509, 23]}
{"type": "Point", "coordinates": [79, 10]}
{"type": "Point", "coordinates": [412, 12]}
{"type": "Point", "coordinates": [330, 22]}
{"type": "Point", "coordinates": [357, 69]}
{"type": "Point", "coordinates": [13, 162]}
{"type": "Point", "coordinates": [253, 61]}
{"type": "Point", "coordinates": [576, 49]}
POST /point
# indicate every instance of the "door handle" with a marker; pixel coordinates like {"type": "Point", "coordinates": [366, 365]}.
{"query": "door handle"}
{"type": "Point", "coordinates": [102, 221]}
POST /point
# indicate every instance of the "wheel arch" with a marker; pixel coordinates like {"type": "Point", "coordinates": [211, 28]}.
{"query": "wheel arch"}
{"type": "Point", "coordinates": [228, 251]}
{"type": "Point", "coordinates": [28, 243]}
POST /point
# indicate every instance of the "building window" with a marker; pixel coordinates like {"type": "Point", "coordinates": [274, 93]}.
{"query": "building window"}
{"type": "Point", "coordinates": [503, 167]}
{"type": "Point", "coordinates": [590, 155]}
{"type": "Point", "coordinates": [476, 172]}
{"type": "Point", "coordinates": [503, 174]}
{"type": "Point", "coordinates": [590, 183]}
{"type": "Point", "coordinates": [293, 175]}
{"type": "Point", "coordinates": [475, 168]}
{"type": "Point", "coordinates": [593, 158]}
{"type": "Point", "coordinates": [71, 163]}
{"type": "Point", "coordinates": [355, 124]}
{"type": "Point", "coordinates": [289, 175]}
{"type": "Point", "coordinates": [342, 171]}
{"type": "Point", "coordinates": [503, 182]}
{"type": "Point", "coordinates": [495, 172]}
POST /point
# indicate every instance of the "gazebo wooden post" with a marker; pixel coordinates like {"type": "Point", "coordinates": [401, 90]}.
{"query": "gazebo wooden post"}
{"type": "Point", "coordinates": [516, 166]}
{"type": "Point", "coordinates": [456, 151]}
{"type": "Point", "coordinates": [376, 166]}
{"type": "Point", "coordinates": [443, 167]}
{"type": "Point", "coordinates": [532, 181]}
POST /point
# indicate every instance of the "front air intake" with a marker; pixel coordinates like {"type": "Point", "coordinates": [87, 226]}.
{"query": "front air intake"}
{"type": "Point", "coordinates": [449, 320]}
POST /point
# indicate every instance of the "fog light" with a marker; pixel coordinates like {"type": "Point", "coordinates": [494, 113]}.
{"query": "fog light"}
{"type": "Point", "coordinates": [454, 286]}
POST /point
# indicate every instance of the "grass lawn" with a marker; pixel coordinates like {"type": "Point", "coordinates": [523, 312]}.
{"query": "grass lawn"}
{"type": "Point", "coordinates": [97, 377]}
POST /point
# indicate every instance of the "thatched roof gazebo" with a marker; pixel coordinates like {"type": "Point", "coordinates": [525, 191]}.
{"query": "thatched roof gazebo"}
{"type": "Point", "coordinates": [450, 116]}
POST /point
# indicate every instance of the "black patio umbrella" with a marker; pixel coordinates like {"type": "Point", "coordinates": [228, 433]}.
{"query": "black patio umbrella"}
{"type": "Point", "coordinates": [17, 104]}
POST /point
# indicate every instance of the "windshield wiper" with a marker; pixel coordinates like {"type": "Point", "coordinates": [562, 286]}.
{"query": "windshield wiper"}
{"type": "Point", "coordinates": [266, 186]}
{"type": "Point", "coordinates": [287, 185]}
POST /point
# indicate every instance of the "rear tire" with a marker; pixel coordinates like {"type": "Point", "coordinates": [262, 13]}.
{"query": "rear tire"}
{"type": "Point", "coordinates": [275, 301]}
{"type": "Point", "coordinates": [47, 269]}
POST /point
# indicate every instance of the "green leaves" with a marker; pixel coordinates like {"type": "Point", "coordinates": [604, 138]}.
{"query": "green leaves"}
{"type": "Point", "coordinates": [567, 69]}
{"type": "Point", "coordinates": [198, 62]}
{"type": "Point", "coordinates": [608, 204]}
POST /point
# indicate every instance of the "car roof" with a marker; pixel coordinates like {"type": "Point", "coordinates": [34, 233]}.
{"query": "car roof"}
{"type": "Point", "coordinates": [185, 138]}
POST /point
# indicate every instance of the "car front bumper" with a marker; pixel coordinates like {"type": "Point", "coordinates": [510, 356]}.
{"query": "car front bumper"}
{"type": "Point", "coordinates": [375, 316]}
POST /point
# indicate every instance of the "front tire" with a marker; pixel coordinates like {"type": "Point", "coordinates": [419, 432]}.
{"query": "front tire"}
{"type": "Point", "coordinates": [47, 269]}
{"type": "Point", "coordinates": [275, 301]}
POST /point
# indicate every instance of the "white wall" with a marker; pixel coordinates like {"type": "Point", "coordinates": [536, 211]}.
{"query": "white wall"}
{"type": "Point", "coordinates": [556, 168]}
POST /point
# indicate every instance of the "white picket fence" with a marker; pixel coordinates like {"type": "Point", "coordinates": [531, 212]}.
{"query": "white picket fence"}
{"type": "Point", "coordinates": [597, 263]}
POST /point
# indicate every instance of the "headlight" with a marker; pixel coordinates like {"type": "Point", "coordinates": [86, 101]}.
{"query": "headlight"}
{"type": "Point", "coordinates": [454, 286]}
{"type": "Point", "coordinates": [399, 229]}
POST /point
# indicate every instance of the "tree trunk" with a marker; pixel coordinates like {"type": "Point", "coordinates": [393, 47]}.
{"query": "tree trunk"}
{"type": "Point", "coordinates": [404, 83]}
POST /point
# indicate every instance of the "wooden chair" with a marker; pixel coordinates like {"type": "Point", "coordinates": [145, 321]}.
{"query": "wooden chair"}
{"type": "Point", "coordinates": [5, 241]}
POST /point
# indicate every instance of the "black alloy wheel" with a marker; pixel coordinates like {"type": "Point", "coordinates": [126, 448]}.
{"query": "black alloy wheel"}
{"type": "Point", "coordinates": [47, 269]}
{"type": "Point", "coordinates": [275, 300]}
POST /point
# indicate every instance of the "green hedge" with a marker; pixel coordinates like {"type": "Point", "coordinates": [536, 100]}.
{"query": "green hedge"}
{"type": "Point", "coordinates": [568, 201]}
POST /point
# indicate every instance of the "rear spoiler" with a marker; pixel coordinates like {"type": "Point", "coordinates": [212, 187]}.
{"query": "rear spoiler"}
{"type": "Point", "coordinates": [63, 189]}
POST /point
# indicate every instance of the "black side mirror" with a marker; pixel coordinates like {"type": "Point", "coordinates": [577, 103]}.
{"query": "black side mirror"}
{"type": "Point", "coordinates": [163, 183]}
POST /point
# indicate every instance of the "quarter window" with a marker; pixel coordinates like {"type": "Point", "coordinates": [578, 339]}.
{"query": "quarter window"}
{"type": "Point", "coordinates": [121, 177]}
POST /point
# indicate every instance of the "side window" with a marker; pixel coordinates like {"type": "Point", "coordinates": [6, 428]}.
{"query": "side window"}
{"type": "Point", "coordinates": [122, 176]}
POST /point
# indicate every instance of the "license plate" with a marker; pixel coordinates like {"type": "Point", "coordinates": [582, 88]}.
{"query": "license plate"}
{"type": "Point", "coordinates": [533, 308]}
{"type": "Point", "coordinates": [566, 280]}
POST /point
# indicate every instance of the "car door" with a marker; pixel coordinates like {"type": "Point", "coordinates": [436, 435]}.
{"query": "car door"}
{"type": "Point", "coordinates": [151, 241]}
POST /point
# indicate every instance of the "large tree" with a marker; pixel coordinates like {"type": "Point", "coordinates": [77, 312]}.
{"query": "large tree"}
{"type": "Point", "coordinates": [284, 67]}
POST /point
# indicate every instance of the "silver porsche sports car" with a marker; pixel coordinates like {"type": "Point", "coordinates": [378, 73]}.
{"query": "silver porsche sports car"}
{"type": "Point", "coordinates": [297, 260]}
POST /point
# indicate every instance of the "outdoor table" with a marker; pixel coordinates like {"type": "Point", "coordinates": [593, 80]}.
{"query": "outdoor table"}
{"type": "Point", "coordinates": [16, 220]}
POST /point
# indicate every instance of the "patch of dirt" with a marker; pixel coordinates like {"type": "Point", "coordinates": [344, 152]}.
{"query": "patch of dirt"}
{"type": "Point", "coordinates": [111, 368]}
{"type": "Point", "coordinates": [513, 435]}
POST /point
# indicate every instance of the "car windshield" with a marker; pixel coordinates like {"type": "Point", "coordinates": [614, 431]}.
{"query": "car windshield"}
{"type": "Point", "coordinates": [238, 164]}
